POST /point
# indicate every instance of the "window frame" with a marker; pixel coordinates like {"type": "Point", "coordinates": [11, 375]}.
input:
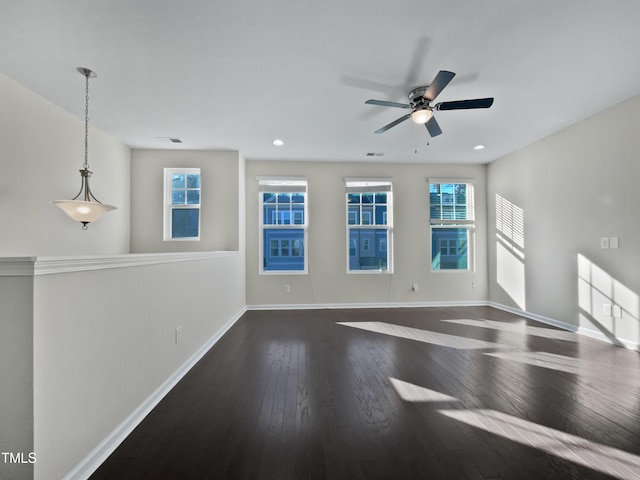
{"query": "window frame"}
{"type": "Point", "coordinates": [284, 185]}
{"type": "Point", "coordinates": [169, 207]}
{"type": "Point", "coordinates": [468, 224]}
{"type": "Point", "coordinates": [370, 186]}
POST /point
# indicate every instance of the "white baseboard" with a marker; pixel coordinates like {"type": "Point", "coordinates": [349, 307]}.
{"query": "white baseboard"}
{"type": "Point", "coordinates": [587, 332]}
{"type": "Point", "coordinates": [327, 306]}
{"type": "Point", "coordinates": [598, 335]}
{"type": "Point", "coordinates": [533, 316]}
{"type": "Point", "coordinates": [105, 448]}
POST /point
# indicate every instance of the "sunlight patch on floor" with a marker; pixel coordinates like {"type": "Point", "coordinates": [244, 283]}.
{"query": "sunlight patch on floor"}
{"type": "Point", "coordinates": [521, 329]}
{"type": "Point", "coordinates": [425, 336]}
{"type": "Point", "coordinates": [410, 392]}
{"type": "Point", "coordinates": [605, 459]}
{"type": "Point", "coordinates": [575, 366]}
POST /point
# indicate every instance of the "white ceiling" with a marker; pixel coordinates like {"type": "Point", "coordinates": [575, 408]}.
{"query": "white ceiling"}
{"type": "Point", "coordinates": [235, 74]}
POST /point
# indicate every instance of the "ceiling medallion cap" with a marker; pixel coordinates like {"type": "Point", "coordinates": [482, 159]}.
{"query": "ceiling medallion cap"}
{"type": "Point", "coordinates": [87, 72]}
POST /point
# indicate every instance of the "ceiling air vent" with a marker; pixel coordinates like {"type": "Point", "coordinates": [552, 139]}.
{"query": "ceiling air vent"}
{"type": "Point", "coordinates": [171, 139]}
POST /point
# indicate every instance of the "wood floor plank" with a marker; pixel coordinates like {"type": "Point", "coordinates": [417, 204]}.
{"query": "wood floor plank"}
{"type": "Point", "coordinates": [422, 393]}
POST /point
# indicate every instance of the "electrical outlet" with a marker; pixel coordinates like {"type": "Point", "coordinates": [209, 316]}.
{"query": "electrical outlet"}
{"type": "Point", "coordinates": [414, 287]}
{"type": "Point", "coordinates": [287, 289]}
{"type": "Point", "coordinates": [616, 311]}
{"type": "Point", "coordinates": [613, 242]}
{"type": "Point", "coordinates": [604, 242]}
{"type": "Point", "coordinates": [178, 335]}
{"type": "Point", "coordinates": [606, 309]}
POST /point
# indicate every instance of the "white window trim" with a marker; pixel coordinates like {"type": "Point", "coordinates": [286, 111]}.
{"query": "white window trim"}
{"type": "Point", "coordinates": [285, 185]}
{"type": "Point", "coordinates": [168, 207]}
{"type": "Point", "coordinates": [469, 224]}
{"type": "Point", "coordinates": [370, 185]}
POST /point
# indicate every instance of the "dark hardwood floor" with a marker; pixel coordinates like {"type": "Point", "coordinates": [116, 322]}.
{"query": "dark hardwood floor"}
{"type": "Point", "coordinates": [415, 393]}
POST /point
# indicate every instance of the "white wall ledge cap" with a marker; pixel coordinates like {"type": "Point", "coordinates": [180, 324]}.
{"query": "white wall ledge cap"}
{"type": "Point", "coordinates": [17, 266]}
{"type": "Point", "coordinates": [23, 266]}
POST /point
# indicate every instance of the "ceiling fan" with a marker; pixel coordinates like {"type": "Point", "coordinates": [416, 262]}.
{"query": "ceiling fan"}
{"type": "Point", "coordinates": [420, 99]}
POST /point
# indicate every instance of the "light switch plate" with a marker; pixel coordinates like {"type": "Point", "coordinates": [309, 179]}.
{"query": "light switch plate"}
{"type": "Point", "coordinates": [613, 242]}
{"type": "Point", "coordinates": [604, 242]}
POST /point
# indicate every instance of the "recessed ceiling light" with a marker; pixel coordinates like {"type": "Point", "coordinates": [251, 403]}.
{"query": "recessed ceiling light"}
{"type": "Point", "coordinates": [479, 147]}
{"type": "Point", "coordinates": [278, 143]}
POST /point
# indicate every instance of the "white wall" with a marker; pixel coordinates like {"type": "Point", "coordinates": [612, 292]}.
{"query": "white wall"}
{"type": "Point", "coordinates": [102, 345]}
{"type": "Point", "coordinates": [327, 282]}
{"type": "Point", "coordinates": [16, 368]}
{"type": "Point", "coordinates": [572, 189]}
{"type": "Point", "coordinates": [41, 151]}
{"type": "Point", "coordinates": [220, 209]}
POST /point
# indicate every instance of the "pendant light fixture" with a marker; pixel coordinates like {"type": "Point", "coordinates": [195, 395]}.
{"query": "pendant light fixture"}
{"type": "Point", "coordinates": [84, 207]}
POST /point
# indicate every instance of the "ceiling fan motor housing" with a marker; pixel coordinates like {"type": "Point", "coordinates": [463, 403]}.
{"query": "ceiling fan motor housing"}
{"type": "Point", "coordinates": [417, 100]}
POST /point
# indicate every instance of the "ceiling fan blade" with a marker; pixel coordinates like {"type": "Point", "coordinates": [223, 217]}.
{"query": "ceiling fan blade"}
{"type": "Point", "coordinates": [433, 128]}
{"type": "Point", "coordinates": [384, 103]}
{"type": "Point", "coordinates": [465, 104]}
{"type": "Point", "coordinates": [442, 80]}
{"type": "Point", "coordinates": [393, 124]}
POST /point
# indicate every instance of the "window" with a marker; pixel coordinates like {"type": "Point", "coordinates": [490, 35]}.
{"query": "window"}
{"type": "Point", "coordinates": [369, 225]}
{"type": "Point", "coordinates": [283, 225]}
{"type": "Point", "coordinates": [452, 221]}
{"type": "Point", "coordinates": [181, 204]}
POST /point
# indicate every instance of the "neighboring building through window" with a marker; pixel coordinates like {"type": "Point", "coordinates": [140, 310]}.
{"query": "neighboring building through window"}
{"type": "Point", "coordinates": [369, 225]}
{"type": "Point", "coordinates": [182, 204]}
{"type": "Point", "coordinates": [452, 222]}
{"type": "Point", "coordinates": [283, 225]}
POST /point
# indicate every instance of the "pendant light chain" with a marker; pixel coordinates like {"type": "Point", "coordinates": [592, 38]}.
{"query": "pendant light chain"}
{"type": "Point", "coordinates": [86, 124]}
{"type": "Point", "coordinates": [85, 207]}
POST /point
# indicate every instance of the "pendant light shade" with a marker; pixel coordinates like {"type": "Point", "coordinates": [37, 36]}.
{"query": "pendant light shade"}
{"type": "Point", "coordinates": [84, 207]}
{"type": "Point", "coordinates": [84, 212]}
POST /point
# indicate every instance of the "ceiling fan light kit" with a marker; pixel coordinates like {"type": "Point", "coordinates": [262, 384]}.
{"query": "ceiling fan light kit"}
{"type": "Point", "coordinates": [420, 104]}
{"type": "Point", "coordinates": [84, 207]}
{"type": "Point", "coordinates": [421, 116]}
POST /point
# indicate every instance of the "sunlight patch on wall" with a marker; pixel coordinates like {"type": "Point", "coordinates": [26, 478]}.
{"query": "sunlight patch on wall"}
{"type": "Point", "coordinates": [596, 456]}
{"type": "Point", "coordinates": [606, 306]}
{"type": "Point", "coordinates": [510, 267]}
{"type": "Point", "coordinates": [520, 328]}
{"type": "Point", "coordinates": [410, 392]}
{"type": "Point", "coordinates": [510, 275]}
{"type": "Point", "coordinates": [510, 222]}
{"type": "Point", "coordinates": [425, 336]}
